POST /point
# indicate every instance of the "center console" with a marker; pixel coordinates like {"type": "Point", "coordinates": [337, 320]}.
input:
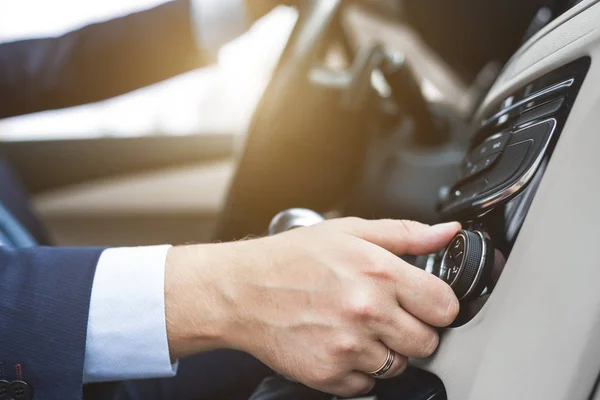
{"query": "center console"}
{"type": "Point", "coordinates": [490, 195]}
{"type": "Point", "coordinates": [519, 177]}
{"type": "Point", "coordinates": [498, 179]}
{"type": "Point", "coordinates": [489, 188]}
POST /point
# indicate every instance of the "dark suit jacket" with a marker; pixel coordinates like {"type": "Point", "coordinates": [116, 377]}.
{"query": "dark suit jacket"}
{"type": "Point", "coordinates": [45, 292]}
{"type": "Point", "coordinates": [44, 302]}
{"type": "Point", "coordinates": [98, 61]}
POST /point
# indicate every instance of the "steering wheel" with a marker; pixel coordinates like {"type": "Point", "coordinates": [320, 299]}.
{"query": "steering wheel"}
{"type": "Point", "coordinates": [301, 149]}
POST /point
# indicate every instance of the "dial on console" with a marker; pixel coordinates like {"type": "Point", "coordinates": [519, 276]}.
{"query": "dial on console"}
{"type": "Point", "coordinates": [466, 264]}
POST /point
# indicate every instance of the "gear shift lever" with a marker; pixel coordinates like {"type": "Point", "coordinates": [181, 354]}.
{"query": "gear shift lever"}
{"type": "Point", "coordinates": [293, 218]}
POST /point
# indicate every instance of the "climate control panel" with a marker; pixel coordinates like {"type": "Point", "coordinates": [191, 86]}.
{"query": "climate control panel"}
{"type": "Point", "coordinates": [513, 141]}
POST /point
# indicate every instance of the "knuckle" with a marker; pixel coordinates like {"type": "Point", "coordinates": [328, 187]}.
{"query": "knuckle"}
{"type": "Point", "coordinates": [362, 308]}
{"type": "Point", "coordinates": [365, 387]}
{"type": "Point", "coordinates": [446, 306]}
{"type": "Point", "coordinates": [351, 222]}
{"type": "Point", "coordinates": [422, 341]}
{"type": "Point", "coordinates": [386, 319]}
{"type": "Point", "coordinates": [356, 388]}
{"type": "Point", "coordinates": [346, 345]}
{"type": "Point", "coordinates": [327, 379]}
{"type": "Point", "coordinates": [378, 268]}
{"type": "Point", "coordinates": [346, 391]}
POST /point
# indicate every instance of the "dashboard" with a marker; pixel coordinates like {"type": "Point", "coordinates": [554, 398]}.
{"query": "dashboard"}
{"type": "Point", "coordinates": [497, 182]}
{"type": "Point", "coordinates": [522, 179]}
{"type": "Point", "coordinates": [529, 183]}
{"type": "Point", "coordinates": [514, 140]}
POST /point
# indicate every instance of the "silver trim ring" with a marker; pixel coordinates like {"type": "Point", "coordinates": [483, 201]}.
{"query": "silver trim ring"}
{"type": "Point", "coordinates": [389, 360]}
{"type": "Point", "coordinates": [481, 264]}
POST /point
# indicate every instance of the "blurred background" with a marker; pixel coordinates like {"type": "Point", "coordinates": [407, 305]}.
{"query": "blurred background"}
{"type": "Point", "coordinates": [455, 47]}
{"type": "Point", "coordinates": [214, 99]}
{"type": "Point", "coordinates": [153, 206]}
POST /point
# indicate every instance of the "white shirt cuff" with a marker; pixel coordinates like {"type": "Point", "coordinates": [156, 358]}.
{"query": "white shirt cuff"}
{"type": "Point", "coordinates": [126, 332]}
{"type": "Point", "coordinates": [217, 22]}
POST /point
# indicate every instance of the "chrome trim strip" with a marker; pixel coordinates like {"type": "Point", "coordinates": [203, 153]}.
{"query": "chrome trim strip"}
{"type": "Point", "coordinates": [526, 177]}
{"type": "Point", "coordinates": [480, 268]}
{"type": "Point", "coordinates": [540, 93]}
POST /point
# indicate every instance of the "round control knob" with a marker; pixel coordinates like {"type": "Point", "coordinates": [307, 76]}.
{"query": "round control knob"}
{"type": "Point", "coordinates": [466, 264]}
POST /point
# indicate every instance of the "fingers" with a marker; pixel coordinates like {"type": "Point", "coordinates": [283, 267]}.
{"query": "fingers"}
{"type": "Point", "coordinates": [356, 383]}
{"type": "Point", "coordinates": [425, 296]}
{"type": "Point", "coordinates": [408, 336]}
{"type": "Point", "coordinates": [374, 357]}
{"type": "Point", "coordinates": [401, 236]}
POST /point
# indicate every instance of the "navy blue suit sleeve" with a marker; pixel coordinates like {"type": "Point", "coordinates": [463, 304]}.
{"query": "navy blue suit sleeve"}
{"type": "Point", "coordinates": [98, 61]}
{"type": "Point", "coordinates": [44, 305]}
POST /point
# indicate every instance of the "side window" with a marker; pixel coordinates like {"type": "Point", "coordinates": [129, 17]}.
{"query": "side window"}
{"type": "Point", "coordinates": [214, 99]}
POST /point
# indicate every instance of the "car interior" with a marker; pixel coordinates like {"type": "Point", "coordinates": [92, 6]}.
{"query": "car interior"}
{"type": "Point", "coordinates": [346, 127]}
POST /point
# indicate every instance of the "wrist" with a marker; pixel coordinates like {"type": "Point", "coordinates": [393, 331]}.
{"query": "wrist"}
{"type": "Point", "coordinates": [198, 315]}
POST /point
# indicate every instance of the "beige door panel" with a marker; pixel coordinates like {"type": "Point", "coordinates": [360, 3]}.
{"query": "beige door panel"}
{"type": "Point", "coordinates": [166, 206]}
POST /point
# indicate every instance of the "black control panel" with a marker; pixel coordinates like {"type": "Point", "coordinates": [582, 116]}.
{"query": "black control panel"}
{"type": "Point", "coordinates": [492, 182]}
{"type": "Point", "coordinates": [497, 182]}
{"type": "Point", "coordinates": [513, 141]}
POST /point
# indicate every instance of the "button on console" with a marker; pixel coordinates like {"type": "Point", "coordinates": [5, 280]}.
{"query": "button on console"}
{"type": "Point", "coordinates": [484, 163]}
{"type": "Point", "coordinates": [456, 254]}
{"type": "Point", "coordinates": [466, 264]}
{"type": "Point", "coordinates": [540, 111]}
{"type": "Point", "coordinates": [511, 161]}
{"type": "Point", "coordinates": [493, 145]}
{"type": "Point", "coordinates": [479, 166]}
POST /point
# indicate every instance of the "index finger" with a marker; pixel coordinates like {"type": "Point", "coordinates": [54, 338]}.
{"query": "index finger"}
{"type": "Point", "coordinates": [401, 236]}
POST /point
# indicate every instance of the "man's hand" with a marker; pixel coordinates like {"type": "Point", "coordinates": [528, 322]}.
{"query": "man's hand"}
{"type": "Point", "coordinates": [320, 304]}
